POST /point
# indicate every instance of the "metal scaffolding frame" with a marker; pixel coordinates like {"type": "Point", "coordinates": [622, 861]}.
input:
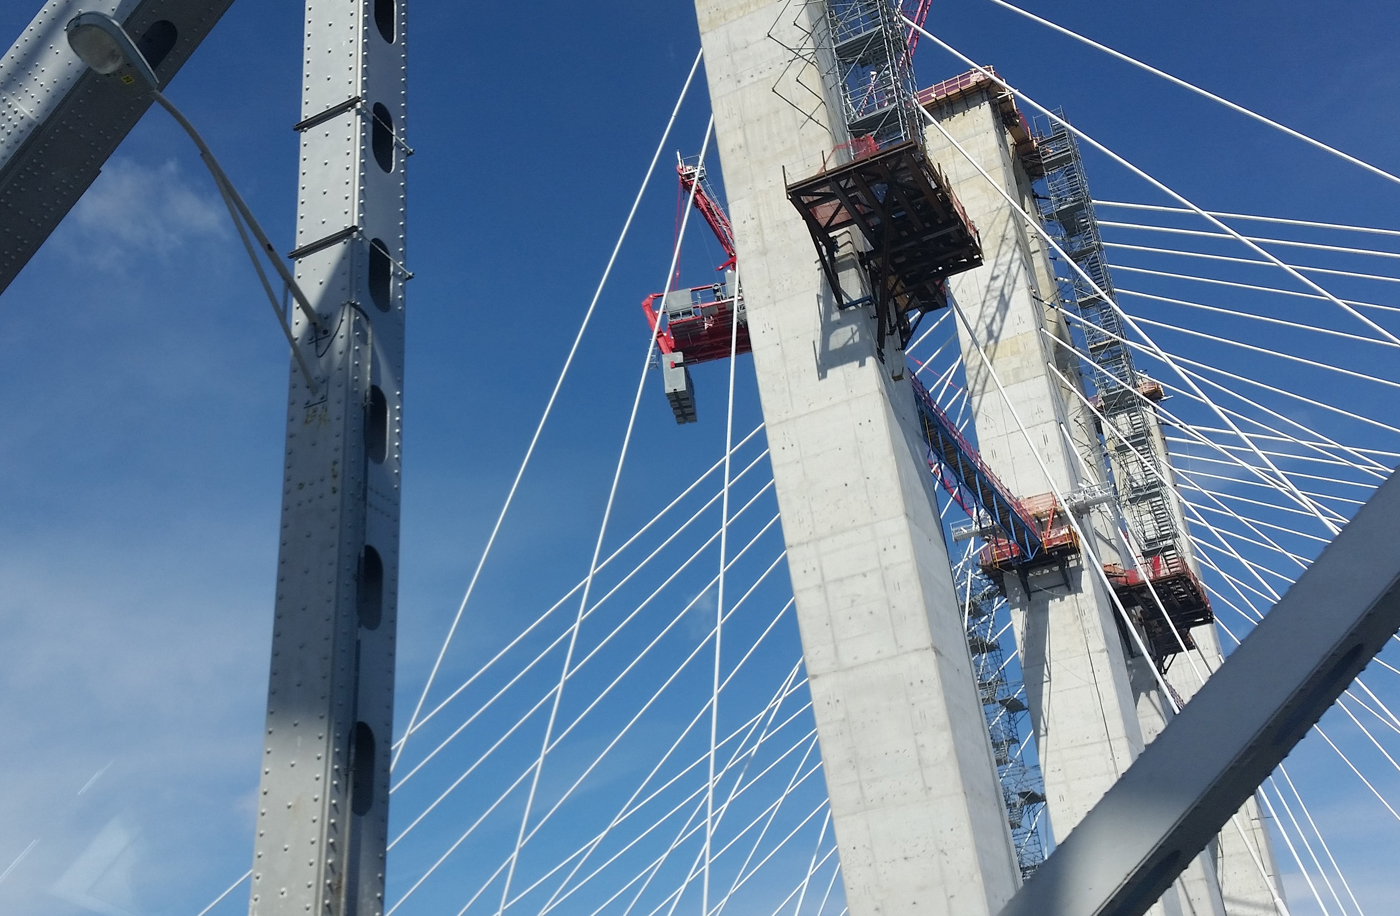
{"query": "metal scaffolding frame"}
{"type": "Point", "coordinates": [870, 47]}
{"type": "Point", "coordinates": [1022, 788]}
{"type": "Point", "coordinates": [1134, 456]}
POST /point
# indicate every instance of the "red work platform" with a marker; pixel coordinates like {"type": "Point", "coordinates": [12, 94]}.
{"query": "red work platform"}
{"type": "Point", "coordinates": [1057, 537]}
{"type": "Point", "coordinates": [699, 323]}
{"type": "Point", "coordinates": [915, 231]}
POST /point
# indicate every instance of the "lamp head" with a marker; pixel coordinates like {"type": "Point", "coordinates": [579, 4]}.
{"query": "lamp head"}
{"type": "Point", "coordinates": [102, 44]}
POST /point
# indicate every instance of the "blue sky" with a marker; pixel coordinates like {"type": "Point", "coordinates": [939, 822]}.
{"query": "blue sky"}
{"type": "Point", "coordinates": [145, 382]}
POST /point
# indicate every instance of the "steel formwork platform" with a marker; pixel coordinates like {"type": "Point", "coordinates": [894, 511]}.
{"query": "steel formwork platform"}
{"type": "Point", "coordinates": [915, 230]}
{"type": "Point", "coordinates": [1180, 592]}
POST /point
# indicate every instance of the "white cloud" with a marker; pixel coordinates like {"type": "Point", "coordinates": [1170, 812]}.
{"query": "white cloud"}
{"type": "Point", "coordinates": [134, 209]}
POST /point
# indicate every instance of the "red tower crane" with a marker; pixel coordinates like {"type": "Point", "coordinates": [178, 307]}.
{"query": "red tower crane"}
{"type": "Point", "coordinates": [917, 12]}
{"type": "Point", "coordinates": [699, 324]}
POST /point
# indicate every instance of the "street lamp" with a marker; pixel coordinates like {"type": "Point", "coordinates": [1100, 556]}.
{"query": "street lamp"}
{"type": "Point", "coordinates": [102, 44]}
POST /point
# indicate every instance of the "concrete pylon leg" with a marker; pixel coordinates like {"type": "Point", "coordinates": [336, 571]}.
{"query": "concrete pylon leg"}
{"type": "Point", "coordinates": [917, 809]}
{"type": "Point", "coordinates": [1079, 691]}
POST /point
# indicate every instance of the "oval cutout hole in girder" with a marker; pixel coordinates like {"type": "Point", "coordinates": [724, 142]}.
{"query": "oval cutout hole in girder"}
{"type": "Point", "coordinates": [362, 770]}
{"type": "Point", "coordinates": [156, 43]}
{"type": "Point", "coordinates": [377, 426]}
{"type": "Point", "coordinates": [381, 275]}
{"type": "Point", "coordinates": [382, 136]}
{"type": "Point", "coordinates": [386, 19]}
{"type": "Point", "coordinates": [369, 594]}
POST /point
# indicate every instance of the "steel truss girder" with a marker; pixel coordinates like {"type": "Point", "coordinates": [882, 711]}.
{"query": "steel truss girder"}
{"type": "Point", "coordinates": [1188, 782]}
{"type": "Point", "coordinates": [324, 795]}
{"type": "Point", "coordinates": [60, 121]}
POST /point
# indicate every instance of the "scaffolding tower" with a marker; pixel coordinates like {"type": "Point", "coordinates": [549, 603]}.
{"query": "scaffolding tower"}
{"type": "Point", "coordinates": [1136, 457]}
{"type": "Point", "coordinates": [1022, 789]}
{"type": "Point", "coordinates": [870, 46]}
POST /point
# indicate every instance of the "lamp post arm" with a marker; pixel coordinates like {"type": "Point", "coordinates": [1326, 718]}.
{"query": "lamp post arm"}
{"type": "Point", "coordinates": [227, 187]}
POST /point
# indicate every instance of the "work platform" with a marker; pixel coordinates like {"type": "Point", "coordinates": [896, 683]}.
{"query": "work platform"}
{"type": "Point", "coordinates": [1182, 597]}
{"type": "Point", "coordinates": [915, 232]}
{"type": "Point", "coordinates": [700, 322]}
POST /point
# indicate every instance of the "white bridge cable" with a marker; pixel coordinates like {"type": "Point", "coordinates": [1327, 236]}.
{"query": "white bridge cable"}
{"type": "Point", "coordinates": [799, 777]}
{"type": "Point", "coordinates": [835, 873]}
{"type": "Point", "coordinates": [1258, 615]}
{"type": "Point", "coordinates": [1226, 494]}
{"type": "Point", "coordinates": [1364, 462]}
{"type": "Point", "coordinates": [424, 719]}
{"type": "Point", "coordinates": [1135, 553]}
{"type": "Point", "coordinates": [1279, 220]}
{"type": "Point", "coordinates": [777, 847]}
{"type": "Point", "coordinates": [631, 616]}
{"type": "Point", "coordinates": [1320, 445]}
{"type": "Point", "coordinates": [1177, 81]}
{"type": "Point", "coordinates": [1288, 809]}
{"type": "Point", "coordinates": [1102, 578]}
{"type": "Point", "coordinates": [451, 788]}
{"type": "Point", "coordinates": [1292, 492]}
{"type": "Point", "coordinates": [602, 534]}
{"type": "Point", "coordinates": [812, 867]}
{"type": "Point", "coordinates": [405, 832]}
{"type": "Point", "coordinates": [1254, 483]}
{"type": "Point", "coordinates": [694, 654]}
{"type": "Point", "coordinates": [1340, 481]}
{"type": "Point", "coordinates": [764, 719]}
{"type": "Point", "coordinates": [1200, 678]}
{"type": "Point", "coordinates": [1393, 718]}
{"type": "Point", "coordinates": [498, 801]}
{"type": "Point", "coordinates": [1255, 524]}
{"type": "Point", "coordinates": [687, 830]}
{"type": "Point", "coordinates": [1367, 732]}
{"type": "Point", "coordinates": [1249, 565]}
{"type": "Point", "coordinates": [1229, 259]}
{"type": "Point", "coordinates": [554, 693]}
{"type": "Point", "coordinates": [719, 605]}
{"type": "Point", "coordinates": [1359, 450]}
{"type": "Point", "coordinates": [1288, 243]}
{"type": "Point", "coordinates": [1283, 771]}
{"type": "Point", "coordinates": [510, 790]}
{"type": "Point", "coordinates": [1293, 850]}
{"type": "Point", "coordinates": [549, 406]}
{"type": "Point", "coordinates": [772, 814]}
{"type": "Point", "coordinates": [1264, 319]}
{"type": "Point", "coordinates": [591, 610]}
{"type": "Point", "coordinates": [1254, 287]}
{"type": "Point", "coordinates": [1271, 352]}
{"type": "Point", "coordinates": [742, 753]}
{"type": "Point", "coordinates": [1235, 462]}
{"type": "Point", "coordinates": [1379, 471]}
{"type": "Point", "coordinates": [1166, 692]}
{"type": "Point", "coordinates": [1193, 509]}
{"type": "Point", "coordinates": [694, 796]}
